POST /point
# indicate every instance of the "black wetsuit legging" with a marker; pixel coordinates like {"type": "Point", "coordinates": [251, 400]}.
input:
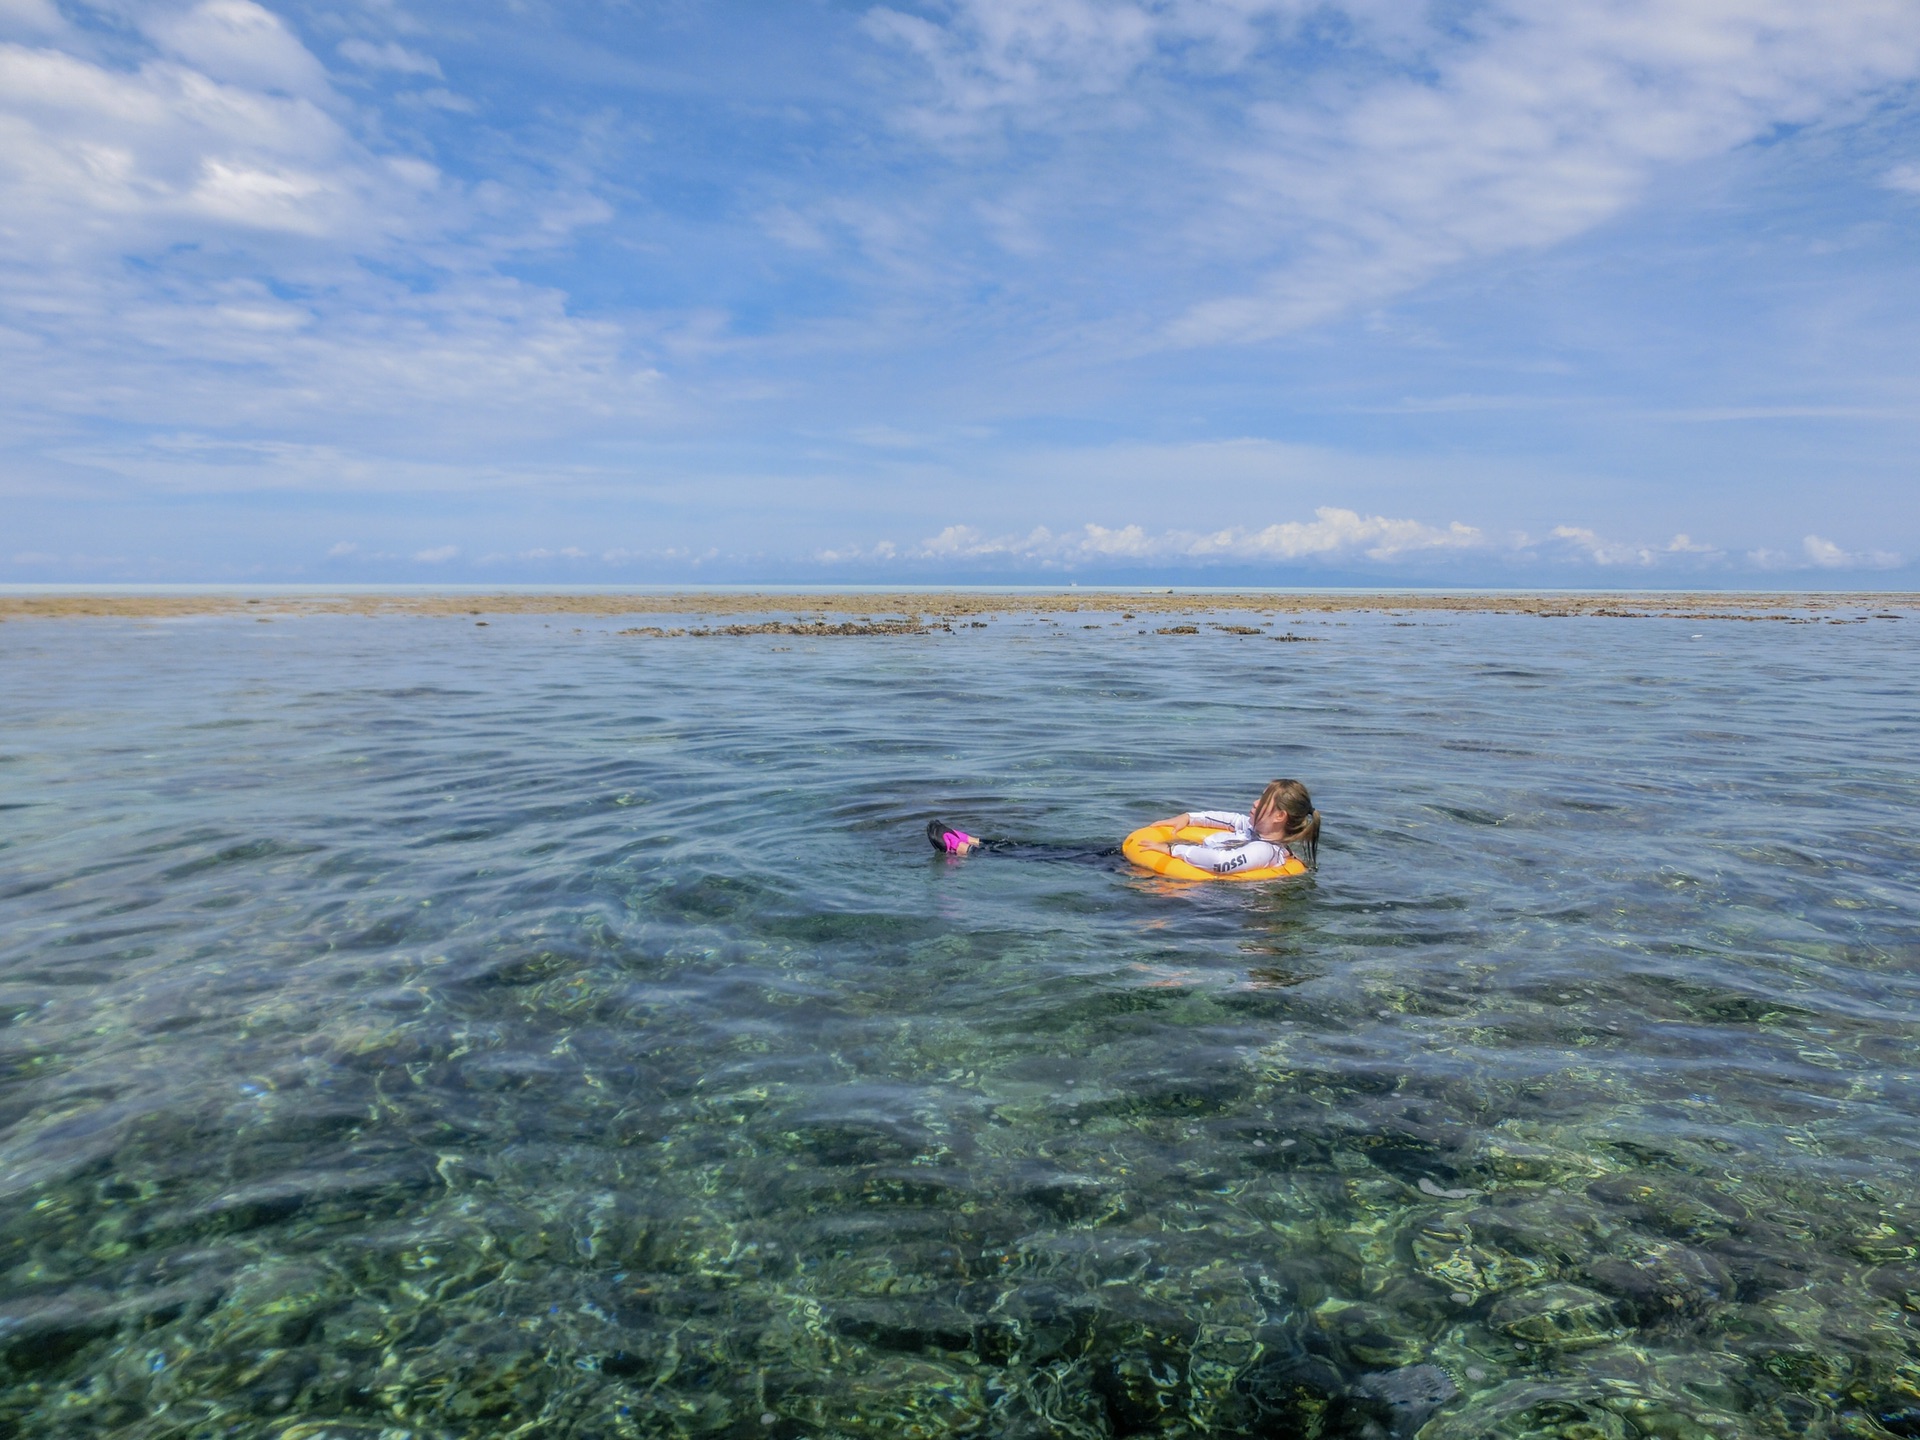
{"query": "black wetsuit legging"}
{"type": "Point", "coordinates": [1044, 850]}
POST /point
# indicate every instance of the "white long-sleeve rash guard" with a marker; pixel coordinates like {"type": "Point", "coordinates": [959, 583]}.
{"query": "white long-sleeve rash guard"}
{"type": "Point", "coordinates": [1235, 847]}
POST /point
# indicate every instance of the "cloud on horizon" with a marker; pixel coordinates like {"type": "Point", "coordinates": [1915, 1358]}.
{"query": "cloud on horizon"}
{"type": "Point", "coordinates": [1345, 538]}
{"type": "Point", "coordinates": [1332, 532]}
{"type": "Point", "coordinates": [1355, 547]}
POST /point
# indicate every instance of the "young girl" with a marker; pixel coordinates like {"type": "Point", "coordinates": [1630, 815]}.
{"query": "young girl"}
{"type": "Point", "coordinates": [1282, 822]}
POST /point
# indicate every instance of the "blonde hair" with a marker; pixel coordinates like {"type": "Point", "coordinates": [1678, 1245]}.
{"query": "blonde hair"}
{"type": "Point", "coordinates": [1290, 797]}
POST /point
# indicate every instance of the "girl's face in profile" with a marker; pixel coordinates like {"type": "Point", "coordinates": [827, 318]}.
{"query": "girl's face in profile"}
{"type": "Point", "coordinates": [1269, 822]}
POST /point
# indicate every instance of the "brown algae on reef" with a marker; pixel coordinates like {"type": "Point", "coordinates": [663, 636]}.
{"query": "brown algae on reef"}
{"type": "Point", "coordinates": [912, 609]}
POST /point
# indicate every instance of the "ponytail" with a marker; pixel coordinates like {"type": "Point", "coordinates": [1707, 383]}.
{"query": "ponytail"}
{"type": "Point", "coordinates": [1303, 821]}
{"type": "Point", "coordinates": [1308, 835]}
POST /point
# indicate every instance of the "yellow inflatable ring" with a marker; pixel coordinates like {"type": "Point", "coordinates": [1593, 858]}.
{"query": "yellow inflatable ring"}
{"type": "Point", "coordinates": [1175, 868]}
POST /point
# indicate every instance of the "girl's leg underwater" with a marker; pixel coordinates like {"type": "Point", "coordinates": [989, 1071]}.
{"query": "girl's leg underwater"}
{"type": "Point", "coordinates": [951, 840]}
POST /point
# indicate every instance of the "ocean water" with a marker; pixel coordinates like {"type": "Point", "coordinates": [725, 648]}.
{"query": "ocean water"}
{"type": "Point", "coordinates": [416, 1029]}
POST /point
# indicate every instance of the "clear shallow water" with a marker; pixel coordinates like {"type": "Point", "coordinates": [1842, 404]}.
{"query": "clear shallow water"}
{"type": "Point", "coordinates": [396, 1043]}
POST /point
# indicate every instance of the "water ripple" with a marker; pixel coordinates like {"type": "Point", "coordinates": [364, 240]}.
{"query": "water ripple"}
{"type": "Point", "coordinates": [408, 1028]}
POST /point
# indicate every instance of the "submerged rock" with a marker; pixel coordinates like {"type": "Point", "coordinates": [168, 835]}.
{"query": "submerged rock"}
{"type": "Point", "coordinates": [1444, 1250]}
{"type": "Point", "coordinates": [1560, 1317]}
{"type": "Point", "coordinates": [1559, 1231]}
{"type": "Point", "coordinates": [1406, 1398]}
{"type": "Point", "coordinates": [1531, 1410]}
{"type": "Point", "coordinates": [1142, 1390]}
{"type": "Point", "coordinates": [1507, 1162]}
{"type": "Point", "coordinates": [1681, 1208]}
{"type": "Point", "coordinates": [1371, 1334]}
{"type": "Point", "coordinates": [900, 1399]}
{"type": "Point", "coordinates": [1288, 1391]}
{"type": "Point", "coordinates": [1661, 1277]}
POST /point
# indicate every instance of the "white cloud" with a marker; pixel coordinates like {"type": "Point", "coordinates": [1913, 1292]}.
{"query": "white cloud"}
{"type": "Point", "coordinates": [1588, 544]}
{"type": "Point", "coordinates": [672, 554]}
{"type": "Point", "coordinates": [438, 97]}
{"type": "Point", "coordinates": [1553, 121]}
{"type": "Point", "coordinates": [1333, 533]}
{"type": "Point", "coordinates": [98, 161]}
{"type": "Point", "coordinates": [882, 552]}
{"type": "Point", "coordinates": [30, 17]}
{"type": "Point", "coordinates": [1508, 125]}
{"type": "Point", "coordinates": [963, 542]}
{"type": "Point", "coordinates": [1579, 542]}
{"type": "Point", "coordinates": [438, 555]}
{"type": "Point", "coordinates": [566, 552]}
{"type": "Point", "coordinates": [342, 550]}
{"type": "Point", "coordinates": [793, 229]}
{"type": "Point", "coordinates": [239, 43]}
{"type": "Point", "coordinates": [199, 236]}
{"type": "Point", "coordinates": [1130, 542]}
{"type": "Point", "coordinates": [1825, 552]}
{"type": "Point", "coordinates": [1818, 553]}
{"type": "Point", "coordinates": [1829, 556]}
{"type": "Point", "coordinates": [1023, 54]}
{"type": "Point", "coordinates": [390, 56]}
{"type": "Point", "coordinates": [1903, 177]}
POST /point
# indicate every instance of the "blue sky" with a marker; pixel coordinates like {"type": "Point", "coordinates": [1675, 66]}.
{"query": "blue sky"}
{"type": "Point", "coordinates": [1573, 292]}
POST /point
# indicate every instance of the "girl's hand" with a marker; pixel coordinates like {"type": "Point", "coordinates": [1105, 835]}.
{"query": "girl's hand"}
{"type": "Point", "coordinates": [1175, 822]}
{"type": "Point", "coordinates": [1160, 846]}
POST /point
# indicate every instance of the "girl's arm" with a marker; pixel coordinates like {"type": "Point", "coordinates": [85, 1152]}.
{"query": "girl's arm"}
{"type": "Point", "coordinates": [1203, 819]}
{"type": "Point", "coordinates": [1198, 819]}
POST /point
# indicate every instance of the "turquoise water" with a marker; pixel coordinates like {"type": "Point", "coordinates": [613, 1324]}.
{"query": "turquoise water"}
{"type": "Point", "coordinates": [420, 1029]}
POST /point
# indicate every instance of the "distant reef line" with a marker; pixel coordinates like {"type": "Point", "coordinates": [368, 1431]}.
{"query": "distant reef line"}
{"type": "Point", "coordinates": [832, 613]}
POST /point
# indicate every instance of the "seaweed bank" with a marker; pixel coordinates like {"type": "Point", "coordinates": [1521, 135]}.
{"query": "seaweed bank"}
{"type": "Point", "coordinates": [921, 612]}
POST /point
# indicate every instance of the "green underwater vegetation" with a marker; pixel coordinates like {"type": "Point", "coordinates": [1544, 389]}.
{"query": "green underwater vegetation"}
{"type": "Point", "coordinates": [397, 1044]}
